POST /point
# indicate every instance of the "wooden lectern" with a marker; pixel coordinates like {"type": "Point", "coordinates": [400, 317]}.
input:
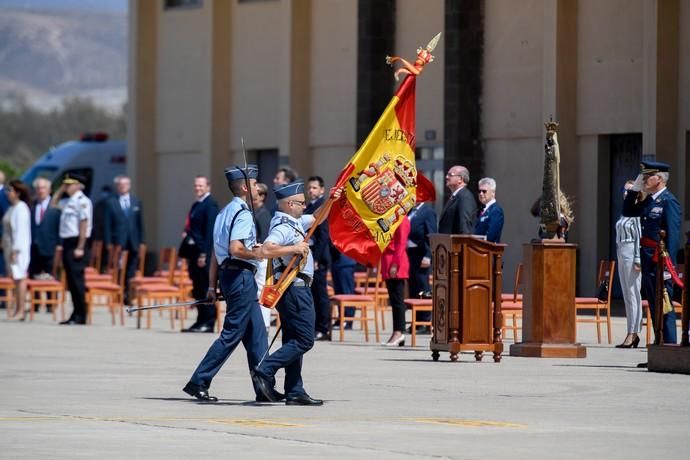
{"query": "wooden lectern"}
{"type": "Point", "coordinates": [548, 317]}
{"type": "Point", "coordinates": [467, 296]}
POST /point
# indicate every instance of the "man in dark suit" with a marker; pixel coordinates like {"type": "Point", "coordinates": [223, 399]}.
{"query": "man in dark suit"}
{"type": "Point", "coordinates": [320, 248]}
{"type": "Point", "coordinates": [460, 211]}
{"type": "Point", "coordinates": [198, 235]}
{"type": "Point", "coordinates": [124, 226]}
{"type": "Point", "coordinates": [261, 214]}
{"type": "Point", "coordinates": [422, 223]}
{"type": "Point", "coordinates": [490, 222]}
{"type": "Point", "coordinates": [658, 210]}
{"type": "Point", "coordinates": [45, 227]}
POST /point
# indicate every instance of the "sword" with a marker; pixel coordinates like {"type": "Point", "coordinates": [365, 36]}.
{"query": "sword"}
{"type": "Point", "coordinates": [167, 305]}
{"type": "Point", "coordinates": [246, 181]}
{"type": "Point", "coordinates": [269, 347]}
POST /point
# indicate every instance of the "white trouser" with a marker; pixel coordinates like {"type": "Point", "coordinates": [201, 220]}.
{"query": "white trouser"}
{"type": "Point", "coordinates": [630, 285]}
{"type": "Point", "coordinates": [260, 278]}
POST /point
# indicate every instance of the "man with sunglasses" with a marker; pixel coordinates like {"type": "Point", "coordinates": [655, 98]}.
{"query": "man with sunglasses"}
{"type": "Point", "coordinates": [296, 307]}
{"type": "Point", "coordinates": [659, 210]}
{"type": "Point", "coordinates": [459, 213]}
{"type": "Point", "coordinates": [490, 222]}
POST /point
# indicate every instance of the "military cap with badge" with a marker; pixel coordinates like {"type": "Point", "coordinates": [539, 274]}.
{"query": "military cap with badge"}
{"type": "Point", "coordinates": [236, 173]}
{"type": "Point", "coordinates": [288, 190]}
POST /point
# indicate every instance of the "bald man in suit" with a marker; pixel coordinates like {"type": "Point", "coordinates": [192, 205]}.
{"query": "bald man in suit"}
{"type": "Point", "coordinates": [460, 212]}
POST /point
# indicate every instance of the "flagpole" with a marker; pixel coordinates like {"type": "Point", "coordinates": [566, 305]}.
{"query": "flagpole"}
{"type": "Point", "coordinates": [288, 276]}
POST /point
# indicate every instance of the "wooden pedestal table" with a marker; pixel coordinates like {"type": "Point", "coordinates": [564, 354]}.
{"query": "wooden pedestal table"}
{"type": "Point", "coordinates": [466, 296]}
{"type": "Point", "coordinates": [549, 318]}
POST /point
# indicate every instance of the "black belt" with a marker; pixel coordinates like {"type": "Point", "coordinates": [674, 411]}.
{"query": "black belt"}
{"type": "Point", "coordinates": [237, 264]}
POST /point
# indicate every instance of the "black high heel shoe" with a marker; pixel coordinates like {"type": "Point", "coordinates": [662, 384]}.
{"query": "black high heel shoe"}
{"type": "Point", "coordinates": [635, 342]}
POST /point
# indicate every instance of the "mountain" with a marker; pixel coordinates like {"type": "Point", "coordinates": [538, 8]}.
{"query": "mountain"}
{"type": "Point", "coordinates": [51, 54]}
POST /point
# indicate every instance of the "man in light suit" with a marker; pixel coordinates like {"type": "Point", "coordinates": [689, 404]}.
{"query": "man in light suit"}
{"type": "Point", "coordinates": [460, 211]}
{"type": "Point", "coordinates": [124, 226]}
{"type": "Point", "coordinates": [490, 223]}
{"type": "Point", "coordinates": [45, 227]}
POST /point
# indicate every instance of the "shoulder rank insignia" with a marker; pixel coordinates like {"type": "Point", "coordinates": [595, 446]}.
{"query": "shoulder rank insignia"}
{"type": "Point", "coordinates": [284, 220]}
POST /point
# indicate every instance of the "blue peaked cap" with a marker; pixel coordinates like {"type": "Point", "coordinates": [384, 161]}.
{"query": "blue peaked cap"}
{"type": "Point", "coordinates": [236, 173]}
{"type": "Point", "coordinates": [291, 189]}
{"type": "Point", "coordinates": [653, 167]}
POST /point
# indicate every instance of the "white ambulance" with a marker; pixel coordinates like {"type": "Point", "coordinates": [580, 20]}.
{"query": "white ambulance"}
{"type": "Point", "coordinates": [93, 156]}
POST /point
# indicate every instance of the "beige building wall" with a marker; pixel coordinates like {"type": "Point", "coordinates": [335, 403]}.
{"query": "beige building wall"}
{"type": "Point", "coordinates": [512, 121]}
{"type": "Point", "coordinates": [258, 74]}
{"type": "Point", "coordinates": [679, 180]}
{"type": "Point", "coordinates": [332, 89]}
{"type": "Point", "coordinates": [184, 76]}
{"type": "Point", "coordinates": [416, 24]}
{"type": "Point", "coordinates": [283, 74]}
{"type": "Point", "coordinates": [610, 67]}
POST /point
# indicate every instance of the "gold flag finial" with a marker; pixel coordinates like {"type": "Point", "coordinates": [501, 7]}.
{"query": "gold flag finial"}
{"type": "Point", "coordinates": [424, 57]}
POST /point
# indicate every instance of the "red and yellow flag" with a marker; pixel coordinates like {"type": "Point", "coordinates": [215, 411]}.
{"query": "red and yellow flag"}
{"type": "Point", "coordinates": [381, 178]}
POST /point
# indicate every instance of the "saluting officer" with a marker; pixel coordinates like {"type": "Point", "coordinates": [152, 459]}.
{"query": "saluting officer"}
{"type": "Point", "coordinates": [296, 306]}
{"type": "Point", "coordinates": [234, 261]}
{"type": "Point", "coordinates": [76, 222]}
{"type": "Point", "coordinates": [659, 210]}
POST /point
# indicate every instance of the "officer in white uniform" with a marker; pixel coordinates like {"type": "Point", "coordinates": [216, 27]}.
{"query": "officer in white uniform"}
{"type": "Point", "coordinates": [76, 222]}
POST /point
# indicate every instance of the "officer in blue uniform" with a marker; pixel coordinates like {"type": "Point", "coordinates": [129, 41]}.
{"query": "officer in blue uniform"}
{"type": "Point", "coordinates": [234, 262]}
{"type": "Point", "coordinates": [286, 238]}
{"type": "Point", "coordinates": [658, 210]}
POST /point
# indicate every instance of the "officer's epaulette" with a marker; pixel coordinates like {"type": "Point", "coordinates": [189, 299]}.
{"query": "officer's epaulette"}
{"type": "Point", "coordinates": [285, 220]}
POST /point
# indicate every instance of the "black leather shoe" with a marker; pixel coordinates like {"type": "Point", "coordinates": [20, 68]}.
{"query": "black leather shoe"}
{"type": "Point", "coordinates": [303, 400]}
{"type": "Point", "coordinates": [266, 388]}
{"type": "Point", "coordinates": [199, 392]}
{"type": "Point", "coordinates": [321, 336]}
{"type": "Point", "coordinates": [199, 328]}
{"type": "Point", "coordinates": [73, 321]}
{"type": "Point", "coordinates": [261, 398]}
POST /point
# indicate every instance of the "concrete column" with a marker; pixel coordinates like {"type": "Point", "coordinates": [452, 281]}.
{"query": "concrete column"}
{"type": "Point", "coordinates": [559, 100]}
{"type": "Point", "coordinates": [141, 120]}
{"type": "Point", "coordinates": [295, 102]}
{"type": "Point", "coordinates": [375, 39]}
{"type": "Point", "coordinates": [218, 141]}
{"type": "Point", "coordinates": [660, 91]}
{"type": "Point", "coordinates": [463, 40]}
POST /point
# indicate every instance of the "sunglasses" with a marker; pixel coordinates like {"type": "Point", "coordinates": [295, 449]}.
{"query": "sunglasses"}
{"type": "Point", "coordinates": [483, 191]}
{"type": "Point", "coordinates": [298, 202]}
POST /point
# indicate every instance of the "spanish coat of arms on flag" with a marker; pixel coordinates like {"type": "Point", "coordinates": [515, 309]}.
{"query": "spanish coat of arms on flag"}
{"type": "Point", "coordinates": [381, 178]}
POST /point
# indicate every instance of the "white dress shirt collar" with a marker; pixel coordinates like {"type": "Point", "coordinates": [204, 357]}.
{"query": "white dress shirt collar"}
{"type": "Point", "coordinates": [656, 195]}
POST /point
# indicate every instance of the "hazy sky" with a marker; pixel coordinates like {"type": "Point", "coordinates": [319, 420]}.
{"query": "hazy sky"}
{"type": "Point", "coordinates": [93, 5]}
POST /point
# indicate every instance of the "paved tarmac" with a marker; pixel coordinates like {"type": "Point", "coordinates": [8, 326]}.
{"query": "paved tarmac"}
{"type": "Point", "coordinates": [115, 392]}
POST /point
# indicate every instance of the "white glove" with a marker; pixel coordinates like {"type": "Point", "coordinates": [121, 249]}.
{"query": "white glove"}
{"type": "Point", "coordinates": [638, 184]}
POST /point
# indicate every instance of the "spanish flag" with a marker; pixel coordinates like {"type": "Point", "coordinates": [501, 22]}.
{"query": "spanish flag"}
{"type": "Point", "coordinates": [380, 182]}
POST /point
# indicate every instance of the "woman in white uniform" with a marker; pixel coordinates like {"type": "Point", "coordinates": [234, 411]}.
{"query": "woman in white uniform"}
{"type": "Point", "coordinates": [16, 241]}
